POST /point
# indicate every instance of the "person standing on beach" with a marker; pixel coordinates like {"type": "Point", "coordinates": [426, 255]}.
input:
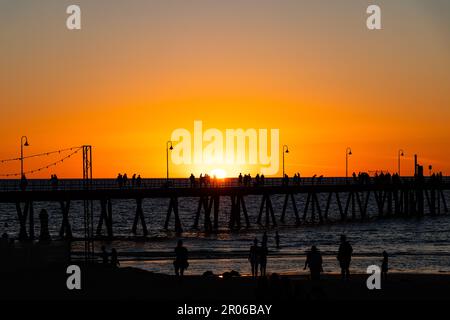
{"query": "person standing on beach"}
{"type": "Point", "coordinates": [264, 239]}
{"type": "Point", "coordinates": [344, 257]}
{"type": "Point", "coordinates": [114, 259]}
{"type": "Point", "coordinates": [253, 257]}
{"type": "Point", "coordinates": [181, 259]}
{"type": "Point", "coordinates": [277, 239]}
{"type": "Point", "coordinates": [384, 265]}
{"type": "Point", "coordinates": [263, 252]}
{"type": "Point", "coordinates": [314, 262]}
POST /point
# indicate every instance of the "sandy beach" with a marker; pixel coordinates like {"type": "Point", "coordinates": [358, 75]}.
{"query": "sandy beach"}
{"type": "Point", "coordinates": [100, 283]}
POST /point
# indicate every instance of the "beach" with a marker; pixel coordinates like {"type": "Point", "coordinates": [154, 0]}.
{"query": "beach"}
{"type": "Point", "coordinates": [105, 283]}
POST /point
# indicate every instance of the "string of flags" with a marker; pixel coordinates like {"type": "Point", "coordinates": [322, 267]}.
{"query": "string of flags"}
{"type": "Point", "coordinates": [77, 149]}
{"type": "Point", "coordinates": [40, 154]}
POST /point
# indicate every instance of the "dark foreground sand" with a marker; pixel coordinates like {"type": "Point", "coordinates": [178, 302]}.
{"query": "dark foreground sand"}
{"type": "Point", "coordinates": [130, 283]}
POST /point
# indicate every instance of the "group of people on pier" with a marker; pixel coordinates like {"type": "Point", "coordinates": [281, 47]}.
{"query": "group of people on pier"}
{"type": "Point", "coordinates": [204, 180]}
{"type": "Point", "coordinates": [122, 180]}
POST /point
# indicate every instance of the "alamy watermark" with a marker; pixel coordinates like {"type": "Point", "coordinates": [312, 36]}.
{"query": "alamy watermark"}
{"type": "Point", "coordinates": [232, 146]}
{"type": "Point", "coordinates": [373, 21]}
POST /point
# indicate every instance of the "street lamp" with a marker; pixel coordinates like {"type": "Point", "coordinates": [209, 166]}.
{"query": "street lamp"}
{"type": "Point", "coordinates": [169, 143]}
{"type": "Point", "coordinates": [285, 150]}
{"type": "Point", "coordinates": [401, 153]}
{"type": "Point", "coordinates": [22, 144]}
{"type": "Point", "coordinates": [348, 152]}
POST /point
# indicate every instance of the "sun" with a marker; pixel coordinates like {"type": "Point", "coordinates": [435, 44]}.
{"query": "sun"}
{"type": "Point", "coordinates": [218, 173]}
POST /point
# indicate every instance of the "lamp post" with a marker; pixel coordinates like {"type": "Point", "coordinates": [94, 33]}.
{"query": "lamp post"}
{"type": "Point", "coordinates": [169, 143]}
{"type": "Point", "coordinates": [399, 154]}
{"type": "Point", "coordinates": [348, 152]}
{"type": "Point", "coordinates": [285, 150]}
{"type": "Point", "coordinates": [22, 144]}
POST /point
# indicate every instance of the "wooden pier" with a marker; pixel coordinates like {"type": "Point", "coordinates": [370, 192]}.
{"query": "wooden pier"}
{"type": "Point", "coordinates": [406, 198]}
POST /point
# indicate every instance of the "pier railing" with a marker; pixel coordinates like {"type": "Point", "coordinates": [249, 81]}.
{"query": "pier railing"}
{"type": "Point", "coordinates": [154, 183]}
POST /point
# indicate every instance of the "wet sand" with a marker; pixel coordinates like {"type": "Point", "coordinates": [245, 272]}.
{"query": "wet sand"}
{"type": "Point", "coordinates": [130, 283]}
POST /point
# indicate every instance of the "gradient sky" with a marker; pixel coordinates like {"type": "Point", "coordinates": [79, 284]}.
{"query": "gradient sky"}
{"type": "Point", "coordinates": [139, 69]}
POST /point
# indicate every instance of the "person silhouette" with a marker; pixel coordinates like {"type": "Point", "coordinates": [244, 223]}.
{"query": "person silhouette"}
{"type": "Point", "coordinates": [240, 179]}
{"type": "Point", "coordinates": [54, 181]}
{"type": "Point", "coordinates": [119, 180]}
{"type": "Point", "coordinates": [105, 256]}
{"type": "Point", "coordinates": [314, 262]}
{"type": "Point", "coordinates": [133, 180]}
{"type": "Point", "coordinates": [124, 179]}
{"type": "Point", "coordinates": [253, 258]}
{"type": "Point", "coordinates": [344, 257]}
{"type": "Point", "coordinates": [138, 181]}
{"type": "Point", "coordinates": [114, 259]}
{"type": "Point", "coordinates": [384, 265]}
{"type": "Point", "coordinates": [264, 239]}
{"type": "Point", "coordinates": [192, 180]}
{"type": "Point", "coordinates": [263, 252]}
{"type": "Point", "coordinates": [181, 259]}
{"type": "Point", "coordinates": [277, 239]}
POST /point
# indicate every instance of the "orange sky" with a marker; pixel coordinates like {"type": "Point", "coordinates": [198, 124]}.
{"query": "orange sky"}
{"type": "Point", "coordinates": [138, 70]}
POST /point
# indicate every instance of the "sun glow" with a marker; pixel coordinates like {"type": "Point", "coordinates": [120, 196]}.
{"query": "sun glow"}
{"type": "Point", "coordinates": [218, 173]}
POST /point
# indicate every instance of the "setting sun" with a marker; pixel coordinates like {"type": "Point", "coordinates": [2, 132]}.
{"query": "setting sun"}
{"type": "Point", "coordinates": [219, 173]}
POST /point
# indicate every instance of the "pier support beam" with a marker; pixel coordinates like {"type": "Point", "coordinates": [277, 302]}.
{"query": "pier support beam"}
{"type": "Point", "coordinates": [173, 206]}
{"type": "Point", "coordinates": [139, 216]}
{"type": "Point", "coordinates": [65, 232]}
{"type": "Point", "coordinates": [105, 217]}
{"type": "Point", "coordinates": [294, 206]}
{"type": "Point", "coordinates": [312, 201]}
{"type": "Point", "coordinates": [22, 216]}
{"type": "Point", "coordinates": [266, 202]}
{"type": "Point", "coordinates": [238, 202]}
{"type": "Point", "coordinates": [207, 207]}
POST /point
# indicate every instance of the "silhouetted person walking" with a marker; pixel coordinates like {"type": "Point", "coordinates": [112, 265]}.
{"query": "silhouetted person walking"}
{"type": "Point", "coordinates": [192, 180]}
{"type": "Point", "coordinates": [314, 262]}
{"type": "Point", "coordinates": [181, 259]}
{"type": "Point", "coordinates": [344, 257]}
{"type": "Point", "coordinates": [114, 259]}
{"type": "Point", "coordinates": [253, 257]}
{"type": "Point", "coordinates": [384, 265]}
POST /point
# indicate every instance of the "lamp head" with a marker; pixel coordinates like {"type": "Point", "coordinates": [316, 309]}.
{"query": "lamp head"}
{"type": "Point", "coordinates": [26, 144]}
{"type": "Point", "coordinates": [350, 153]}
{"type": "Point", "coordinates": [171, 148]}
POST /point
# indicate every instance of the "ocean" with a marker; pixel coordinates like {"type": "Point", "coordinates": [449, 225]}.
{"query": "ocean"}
{"type": "Point", "coordinates": [418, 245]}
